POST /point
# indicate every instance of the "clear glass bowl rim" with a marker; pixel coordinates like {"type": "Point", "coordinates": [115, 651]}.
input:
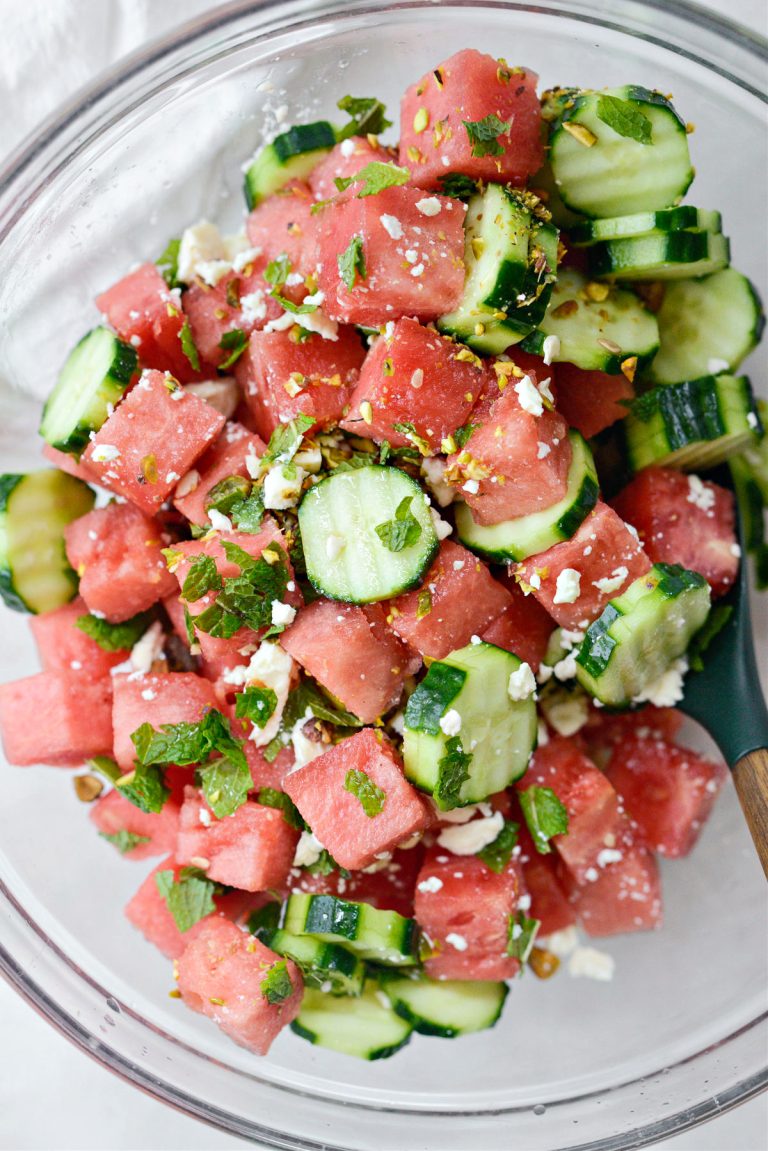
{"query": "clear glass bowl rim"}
{"type": "Point", "coordinates": [91, 112]}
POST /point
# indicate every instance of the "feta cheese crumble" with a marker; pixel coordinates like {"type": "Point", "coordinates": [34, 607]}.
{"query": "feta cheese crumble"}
{"type": "Point", "coordinates": [667, 689]}
{"type": "Point", "coordinates": [429, 206]}
{"type": "Point", "coordinates": [456, 941]}
{"type": "Point", "coordinates": [568, 587]}
{"type": "Point", "coordinates": [450, 723]}
{"type": "Point", "coordinates": [550, 348]}
{"type": "Point", "coordinates": [201, 244]}
{"type": "Point", "coordinates": [529, 396]}
{"type": "Point", "coordinates": [522, 683]}
{"type": "Point", "coordinates": [609, 584]}
{"type": "Point", "coordinates": [469, 838]}
{"type": "Point", "coordinates": [392, 226]}
{"type": "Point", "coordinates": [589, 963]}
{"type": "Point", "coordinates": [699, 494]}
{"type": "Point", "coordinates": [431, 885]}
{"type": "Point", "coordinates": [282, 613]}
{"type": "Point", "coordinates": [282, 491]}
{"type": "Point", "coordinates": [442, 528]}
{"type": "Point", "coordinates": [271, 667]}
{"type": "Point", "coordinates": [308, 850]}
{"type": "Point", "coordinates": [105, 454]}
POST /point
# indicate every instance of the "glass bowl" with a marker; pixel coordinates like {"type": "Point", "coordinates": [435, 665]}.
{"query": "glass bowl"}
{"type": "Point", "coordinates": [676, 1038]}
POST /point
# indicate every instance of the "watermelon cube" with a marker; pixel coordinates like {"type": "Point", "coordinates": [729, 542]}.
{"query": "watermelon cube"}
{"type": "Point", "coordinates": [682, 519]}
{"type": "Point", "coordinates": [240, 301]}
{"type": "Point", "coordinates": [227, 456]}
{"type": "Point", "coordinates": [113, 813]}
{"type": "Point", "coordinates": [471, 86]}
{"type": "Point", "coordinates": [346, 160]}
{"type": "Point", "coordinates": [604, 731]}
{"type": "Point", "coordinates": [622, 898]}
{"type": "Point", "coordinates": [548, 901]}
{"type": "Point", "coordinates": [252, 849]}
{"type": "Point", "coordinates": [67, 463]}
{"type": "Point", "coordinates": [264, 773]}
{"type": "Point", "coordinates": [408, 262]}
{"type": "Point", "coordinates": [597, 825]}
{"type": "Point", "coordinates": [391, 887]}
{"type": "Point", "coordinates": [668, 792]}
{"type": "Point", "coordinates": [176, 697]}
{"type": "Point", "coordinates": [353, 654]}
{"type": "Point", "coordinates": [413, 376]}
{"type": "Point", "coordinates": [56, 717]}
{"type": "Point", "coordinates": [591, 401]}
{"type": "Point", "coordinates": [464, 910]}
{"type": "Point", "coordinates": [62, 646]}
{"type": "Point", "coordinates": [283, 224]}
{"type": "Point", "coordinates": [333, 794]}
{"type": "Point", "coordinates": [605, 554]}
{"type": "Point", "coordinates": [151, 440]}
{"type": "Point", "coordinates": [147, 314]}
{"type": "Point", "coordinates": [523, 627]}
{"type": "Point", "coordinates": [117, 552]}
{"type": "Point", "coordinates": [222, 974]}
{"type": "Point", "coordinates": [465, 598]}
{"type": "Point", "coordinates": [282, 378]}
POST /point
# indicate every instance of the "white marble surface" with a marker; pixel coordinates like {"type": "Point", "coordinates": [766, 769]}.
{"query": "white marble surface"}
{"type": "Point", "coordinates": [53, 1098]}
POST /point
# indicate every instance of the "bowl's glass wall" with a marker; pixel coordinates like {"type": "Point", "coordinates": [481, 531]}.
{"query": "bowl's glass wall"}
{"type": "Point", "coordinates": [156, 153]}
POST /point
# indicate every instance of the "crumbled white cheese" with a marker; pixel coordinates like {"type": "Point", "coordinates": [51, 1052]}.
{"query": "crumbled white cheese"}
{"type": "Point", "coordinates": [282, 323]}
{"type": "Point", "coordinates": [105, 454]}
{"type": "Point", "coordinates": [240, 253]}
{"type": "Point", "coordinates": [529, 396]}
{"type": "Point", "coordinates": [699, 494]}
{"type": "Point", "coordinates": [392, 226]}
{"type": "Point", "coordinates": [429, 206]}
{"type": "Point", "coordinates": [522, 683]}
{"type": "Point", "coordinates": [450, 723]}
{"type": "Point", "coordinates": [281, 491]}
{"type": "Point", "coordinates": [542, 450]}
{"type": "Point", "coordinates": [715, 366]}
{"type": "Point", "coordinates": [334, 546]}
{"type": "Point", "coordinates": [147, 649]}
{"type": "Point", "coordinates": [565, 668]}
{"type": "Point", "coordinates": [397, 722]}
{"type": "Point", "coordinates": [433, 470]}
{"type": "Point", "coordinates": [270, 667]}
{"type": "Point", "coordinates": [430, 885]}
{"type": "Point", "coordinates": [568, 587]}
{"type": "Point", "coordinates": [609, 855]}
{"type": "Point", "coordinates": [282, 613]}
{"type": "Point", "coordinates": [589, 963]}
{"type": "Point", "coordinates": [417, 270]}
{"type": "Point", "coordinates": [308, 850]}
{"type": "Point", "coordinates": [442, 528]}
{"type": "Point", "coordinates": [148, 694]}
{"type": "Point", "coordinates": [567, 712]}
{"type": "Point", "coordinates": [667, 689]}
{"type": "Point", "coordinates": [562, 943]}
{"type": "Point", "coordinates": [456, 941]}
{"type": "Point", "coordinates": [546, 391]}
{"type": "Point", "coordinates": [219, 521]}
{"type": "Point", "coordinates": [463, 814]}
{"type": "Point", "coordinates": [469, 838]}
{"type": "Point", "coordinates": [204, 816]}
{"type": "Point", "coordinates": [550, 348]}
{"type": "Point", "coordinates": [609, 584]}
{"type": "Point", "coordinates": [304, 749]}
{"type": "Point", "coordinates": [200, 244]}
{"type": "Point", "coordinates": [471, 487]}
{"type": "Point", "coordinates": [253, 307]}
{"type": "Point", "coordinates": [347, 148]}
{"type": "Point", "coordinates": [211, 271]}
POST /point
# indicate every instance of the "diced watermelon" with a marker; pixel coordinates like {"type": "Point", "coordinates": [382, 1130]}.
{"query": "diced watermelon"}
{"type": "Point", "coordinates": [391, 887]}
{"type": "Point", "coordinates": [225, 457]}
{"type": "Point", "coordinates": [117, 552]}
{"type": "Point", "coordinates": [591, 401]}
{"type": "Point", "coordinates": [514, 463]}
{"type": "Point", "coordinates": [284, 225]}
{"type": "Point", "coordinates": [240, 301]}
{"type": "Point", "coordinates": [466, 920]}
{"type": "Point", "coordinates": [549, 902]}
{"type": "Point", "coordinates": [264, 773]}
{"type": "Point", "coordinates": [668, 792]}
{"type": "Point", "coordinates": [597, 825]}
{"type": "Point", "coordinates": [412, 377]}
{"type": "Point", "coordinates": [469, 87]}
{"type": "Point", "coordinates": [56, 717]}
{"type": "Point", "coordinates": [346, 160]}
{"type": "Point", "coordinates": [622, 898]}
{"type": "Point", "coordinates": [605, 553]}
{"type": "Point", "coordinates": [151, 440]}
{"type": "Point", "coordinates": [351, 652]}
{"type": "Point", "coordinates": [409, 263]}
{"type": "Point", "coordinates": [282, 378]}
{"type": "Point", "coordinates": [328, 794]}
{"type": "Point", "coordinates": [524, 627]}
{"type": "Point", "coordinates": [465, 598]}
{"type": "Point", "coordinates": [113, 813]}
{"type": "Point", "coordinates": [177, 697]}
{"type": "Point", "coordinates": [62, 646]}
{"type": "Point", "coordinates": [684, 520]}
{"type": "Point", "coordinates": [146, 313]}
{"type": "Point", "coordinates": [222, 975]}
{"type": "Point", "coordinates": [69, 464]}
{"type": "Point", "coordinates": [603, 731]}
{"type": "Point", "coordinates": [252, 849]}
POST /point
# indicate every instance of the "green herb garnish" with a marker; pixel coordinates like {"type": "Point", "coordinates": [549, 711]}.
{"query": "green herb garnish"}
{"type": "Point", "coordinates": [202, 577]}
{"type": "Point", "coordinates": [625, 118]}
{"type": "Point", "coordinates": [256, 704]}
{"type": "Point", "coordinates": [235, 342]}
{"type": "Point", "coordinates": [453, 773]}
{"type": "Point", "coordinates": [484, 135]}
{"type": "Point", "coordinates": [123, 840]}
{"type": "Point", "coordinates": [168, 263]}
{"type": "Point", "coordinates": [498, 854]}
{"type": "Point", "coordinates": [188, 898]}
{"type": "Point", "coordinates": [401, 532]}
{"type": "Point", "coordinates": [372, 798]}
{"type": "Point", "coordinates": [188, 346]}
{"type": "Point", "coordinates": [115, 636]}
{"type": "Point", "coordinates": [352, 262]}
{"type": "Point", "coordinates": [545, 815]}
{"type": "Point", "coordinates": [270, 797]}
{"type": "Point", "coordinates": [522, 936]}
{"type": "Point", "coordinates": [375, 177]}
{"type": "Point", "coordinates": [276, 986]}
{"type": "Point", "coordinates": [368, 117]}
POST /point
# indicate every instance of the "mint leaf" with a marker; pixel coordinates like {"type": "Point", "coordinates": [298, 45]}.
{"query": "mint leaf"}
{"type": "Point", "coordinates": [188, 346]}
{"type": "Point", "coordinates": [368, 117]}
{"type": "Point", "coordinates": [247, 514]}
{"type": "Point", "coordinates": [401, 532]}
{"type": "Point", "coordinates": [202, 577]}
{"type": "Point", "coordinates": [522, 936]}
{"type": "Point", "coordinates": [144, 787]}
{"type": "Point", "coordinates": [714, 624]}
{"type": "Point", "coordinates": [189, 626]}
{"type": "Point", "coordinates": [325, 864]}
{"type": "Point", "coordinates": [457, 186]}
{"type": "Point", "coordinates": [375, 177]}
{"type": "Point", "coordinates": [264, 920]}
{"type": "Point", "coordinates": [307, 701]}
{"type": "Point", "coordinates": [226, 785]}
{"type": "Point", "coordinates": [115, 636]}
{"type": "Point", "coordinates": [168, 263]}
{"type": "Point", "coordinates": [285, 441]}
{"type": "Point", "coordinates": [625, 118]}
{"type": "Point", "coordinates": [277, 271]}
{"type": "Point", "coordinates": [256, 704]}
{"type": "Point", "coordinates": [453, 773]}
{"type": "Point", "coordinates": [123, 840]}
{"type": "Point", "coordinates": [187, 743]}
{"type": "Point", "coordinates": [461, 435]}
{"type": "Point", "coordinates": [483, 135]}
{"type": "Point", "coordinates": [294, 309]}
{"type": "Point", "coordinates": [497, 855]}
{"type": "Point", "coordinates": [228, 494]}
{"type": "Point", "coordinates": [372, 798]}
{"type": "Point", "coordinates": [246, 599]}
{"type": "Point", "coordinates": [188, 898]}
{"type": "Point", "coordinates": [235, 342]}
{"type": "Point", "coordinates": [545, 815]}
{"type": "Point", "coordinates": [270, 797]}
{"type": "Point", "coordinates": [409, 431]}
{"type": "Point", "coordinates": [276, 986]}
{"type": "Point", "coordinates": [352, 262]}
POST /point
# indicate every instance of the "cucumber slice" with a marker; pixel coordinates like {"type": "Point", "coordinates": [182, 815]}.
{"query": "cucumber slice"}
{"type": "Point", "coordinates": [601, 172]}
{"type": "Point", "coordinates": [445, 1008]}
{"type": "Point", "coordinates": [717, 318]}
{"type": "Point", "coordinates": [685, 216]}
{"type": "Point", "coordinates": [93, 379]}
{"type": "Point", "coordinates": [692, 425]}
{"type": "Point", "coordinates": [527, 535]}
{"type": "Point", "coordinates": [641, 633]}
{"type": "Point", "coordinates": [366, 1027]}
{"type": "Point", "coordinates": [660, 256]}
{"type": "Point", "coordinates": [595, 334]}
{"type": "Point", "coordinates": [383, 936]}
{"type": "Point", "coordinates": [34, 510]}
{"type": "Point", "coordinates": [346, 558]}
{"type": "Point", "coordinates": [511, 256]}
{"type": "Point", "coordinates": [291, 156]}
{"type": "Point", "coordinates": [497, 734]}
{"type": "Point", "coordinates": [325, 965]}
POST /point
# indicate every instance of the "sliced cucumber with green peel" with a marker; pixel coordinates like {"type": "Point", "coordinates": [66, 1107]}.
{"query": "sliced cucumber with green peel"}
{"type": "Point", "coordinates": [510, 257]}
{"type": "Point", "coordinates": [660, 256]}
{"type": "Point", "coordinates": [291, 156]}
{"type": "Point", "coordinates": [93, 379]}
{"type": "Point", "coordinates": [445, 1008]}
{"type": "Point", "coordinates": [326, 965]}
{"type": "Point", "coordinates": [718, 319]}
{"type": "Point", "coordinates": [528, 535]}
{"type": "Point", "coordinates": [347, 558]}
{"type": "Point", "coordinates": [641, 633]}
{"type": "Point", "coordinates": [35, 575]}
{"type": "Point", "coordinates": [365, 1026]}
{"type": "Point", "coordinates": [489, 742]}
{"type": "Point", "coordinates": [383, 936]}
{"type": "Point", "coordinates": [595, 334]}
{"type": "Point", "coordinates": [583, 233]}
{"type": "Point", "coordinates": [602, 171]}
{"type": "Point", "coordinates": [692, 425]}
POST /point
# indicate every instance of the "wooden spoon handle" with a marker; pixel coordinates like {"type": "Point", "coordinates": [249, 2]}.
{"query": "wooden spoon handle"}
{"type": "Point", "coordinates": [750, 776]}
